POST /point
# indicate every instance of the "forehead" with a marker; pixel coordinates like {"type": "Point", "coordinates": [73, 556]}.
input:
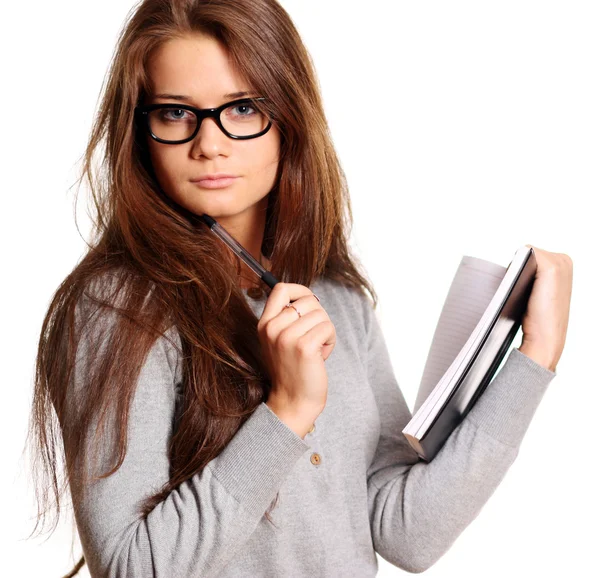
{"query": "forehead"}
{"type": "Point", "coordinates": [197, 66]}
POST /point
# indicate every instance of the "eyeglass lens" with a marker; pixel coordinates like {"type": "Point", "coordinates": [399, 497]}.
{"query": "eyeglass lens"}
{"type": "Point", "coordinates": [175, 124]}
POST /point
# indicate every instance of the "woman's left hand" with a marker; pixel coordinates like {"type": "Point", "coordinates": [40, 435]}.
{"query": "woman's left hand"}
{"type": "Point", "coordinates": [547, 316]}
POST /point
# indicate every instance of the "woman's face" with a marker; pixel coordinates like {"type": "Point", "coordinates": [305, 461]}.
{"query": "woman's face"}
{"type": "Point", "coordinates": [198, 68]}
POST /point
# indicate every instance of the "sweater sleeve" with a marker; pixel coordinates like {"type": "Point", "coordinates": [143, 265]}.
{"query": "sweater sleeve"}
{"type": "Point", "coordinates": [204, 522]}
{"type": "Point", "coordinates": [418, 509]}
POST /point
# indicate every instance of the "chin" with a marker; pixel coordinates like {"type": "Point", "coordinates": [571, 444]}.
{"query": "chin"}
{"type": "Point", "coordinates": [219, 210]}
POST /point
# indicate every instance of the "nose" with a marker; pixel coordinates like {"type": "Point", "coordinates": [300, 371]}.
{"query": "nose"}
{"type": "Point", "coordinates": [210, 140]}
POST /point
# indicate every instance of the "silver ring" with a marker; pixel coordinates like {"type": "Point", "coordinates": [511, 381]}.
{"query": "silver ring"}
{"type": "Point", "coordinates": [296, 310]}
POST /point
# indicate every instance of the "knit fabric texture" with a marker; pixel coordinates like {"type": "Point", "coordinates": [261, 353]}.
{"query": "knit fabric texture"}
{"type": "Point", "coordinates": [352, 487]}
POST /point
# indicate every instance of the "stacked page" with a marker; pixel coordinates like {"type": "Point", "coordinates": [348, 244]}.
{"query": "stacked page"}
{"type": "Point", "coordinates": [479, 320]}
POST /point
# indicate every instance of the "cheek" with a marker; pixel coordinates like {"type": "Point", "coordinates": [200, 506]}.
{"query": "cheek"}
{"type": "Point", "coordinates": [165, 164]}
{"type": "Point", "coordinates": [268, 155]}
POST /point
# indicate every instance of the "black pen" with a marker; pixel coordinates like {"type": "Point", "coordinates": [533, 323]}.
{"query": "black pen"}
{"type": "Point", "coordinates": [265, 275]}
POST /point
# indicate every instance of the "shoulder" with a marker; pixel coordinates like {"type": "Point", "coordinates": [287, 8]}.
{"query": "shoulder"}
{"type": "Point", "coordinates": [343, 296]}
{"type": "Point", "coordinates": [96, 310]}
{"type": "Point", "coordinates": [103, 305]}
{"type": "Point", "coordinates": [100, 292]}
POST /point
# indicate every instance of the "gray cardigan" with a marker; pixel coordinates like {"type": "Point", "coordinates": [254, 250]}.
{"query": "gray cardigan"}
{"type": "Point", "coordinates": [350, 488]}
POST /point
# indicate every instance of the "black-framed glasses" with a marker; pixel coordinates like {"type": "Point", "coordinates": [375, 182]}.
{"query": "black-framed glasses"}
{"type": "Point", "coordinates": [180, 123]}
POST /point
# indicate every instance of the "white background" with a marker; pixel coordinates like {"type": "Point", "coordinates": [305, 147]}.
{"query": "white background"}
{"type": "Point", "coordinates": [464, 128]}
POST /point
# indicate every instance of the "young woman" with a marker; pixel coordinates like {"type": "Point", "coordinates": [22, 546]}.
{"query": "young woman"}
{"type": "Point", "coordinates": [209, 427]}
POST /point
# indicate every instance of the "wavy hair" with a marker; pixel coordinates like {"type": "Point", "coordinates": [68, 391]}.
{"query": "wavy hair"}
{"type": "Point", "coordinates": [167, 271]}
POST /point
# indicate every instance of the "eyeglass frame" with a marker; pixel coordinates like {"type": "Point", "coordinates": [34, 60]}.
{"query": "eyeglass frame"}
{"type": "Point", "coordinates": [201, 113]}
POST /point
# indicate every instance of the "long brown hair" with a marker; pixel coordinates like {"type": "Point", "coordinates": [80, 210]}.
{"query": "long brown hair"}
{"type": "Point", "coordinates": [169, 273]}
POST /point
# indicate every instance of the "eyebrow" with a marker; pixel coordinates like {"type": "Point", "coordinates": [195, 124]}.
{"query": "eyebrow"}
{"type": "Point", "coordinates": [189, 98]}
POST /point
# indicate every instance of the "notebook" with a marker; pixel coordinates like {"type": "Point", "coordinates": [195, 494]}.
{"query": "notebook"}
{"type": "Point", "coordinates": [479, 320]}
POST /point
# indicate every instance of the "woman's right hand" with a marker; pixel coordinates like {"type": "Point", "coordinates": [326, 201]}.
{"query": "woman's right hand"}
{"type": "Point", "coordinates": [295, 348]}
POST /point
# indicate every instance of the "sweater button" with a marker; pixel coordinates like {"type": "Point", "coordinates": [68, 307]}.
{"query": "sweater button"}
{"type": "Point", "coordinates": [315, 459]}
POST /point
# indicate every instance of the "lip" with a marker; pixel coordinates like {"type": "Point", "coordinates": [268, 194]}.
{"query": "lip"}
{"type": "Point", "coordinates": [215, 181]}
{"type": "Point", "coordinates": [213, 176]}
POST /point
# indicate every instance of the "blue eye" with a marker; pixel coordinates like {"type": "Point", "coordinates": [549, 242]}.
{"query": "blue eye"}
{"type": "Point", "coordinates": [245, 106]}
{"type": "Point", "coordinates": [167, 111]}
{"type": "Point", "coordinates": [242, 112]}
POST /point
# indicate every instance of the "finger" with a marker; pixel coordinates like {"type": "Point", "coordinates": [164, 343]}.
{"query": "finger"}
{"type": "Point", "coordinates": [291, 312]}
{"type": "Point", "coordinates": [545, 260]}
{"type": "Point", "coordinates": [287, 329]}
{"type": "Point", "coordinates": [329, 344]}
{"type": "Point", "coordinates": [280, 296]}
{"type": "Point", "coordinates": [306, 304]}
{"type": "Point", "coordinates": [539, 260]}
{"type": "Point", "coordinates": [320, 339]}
